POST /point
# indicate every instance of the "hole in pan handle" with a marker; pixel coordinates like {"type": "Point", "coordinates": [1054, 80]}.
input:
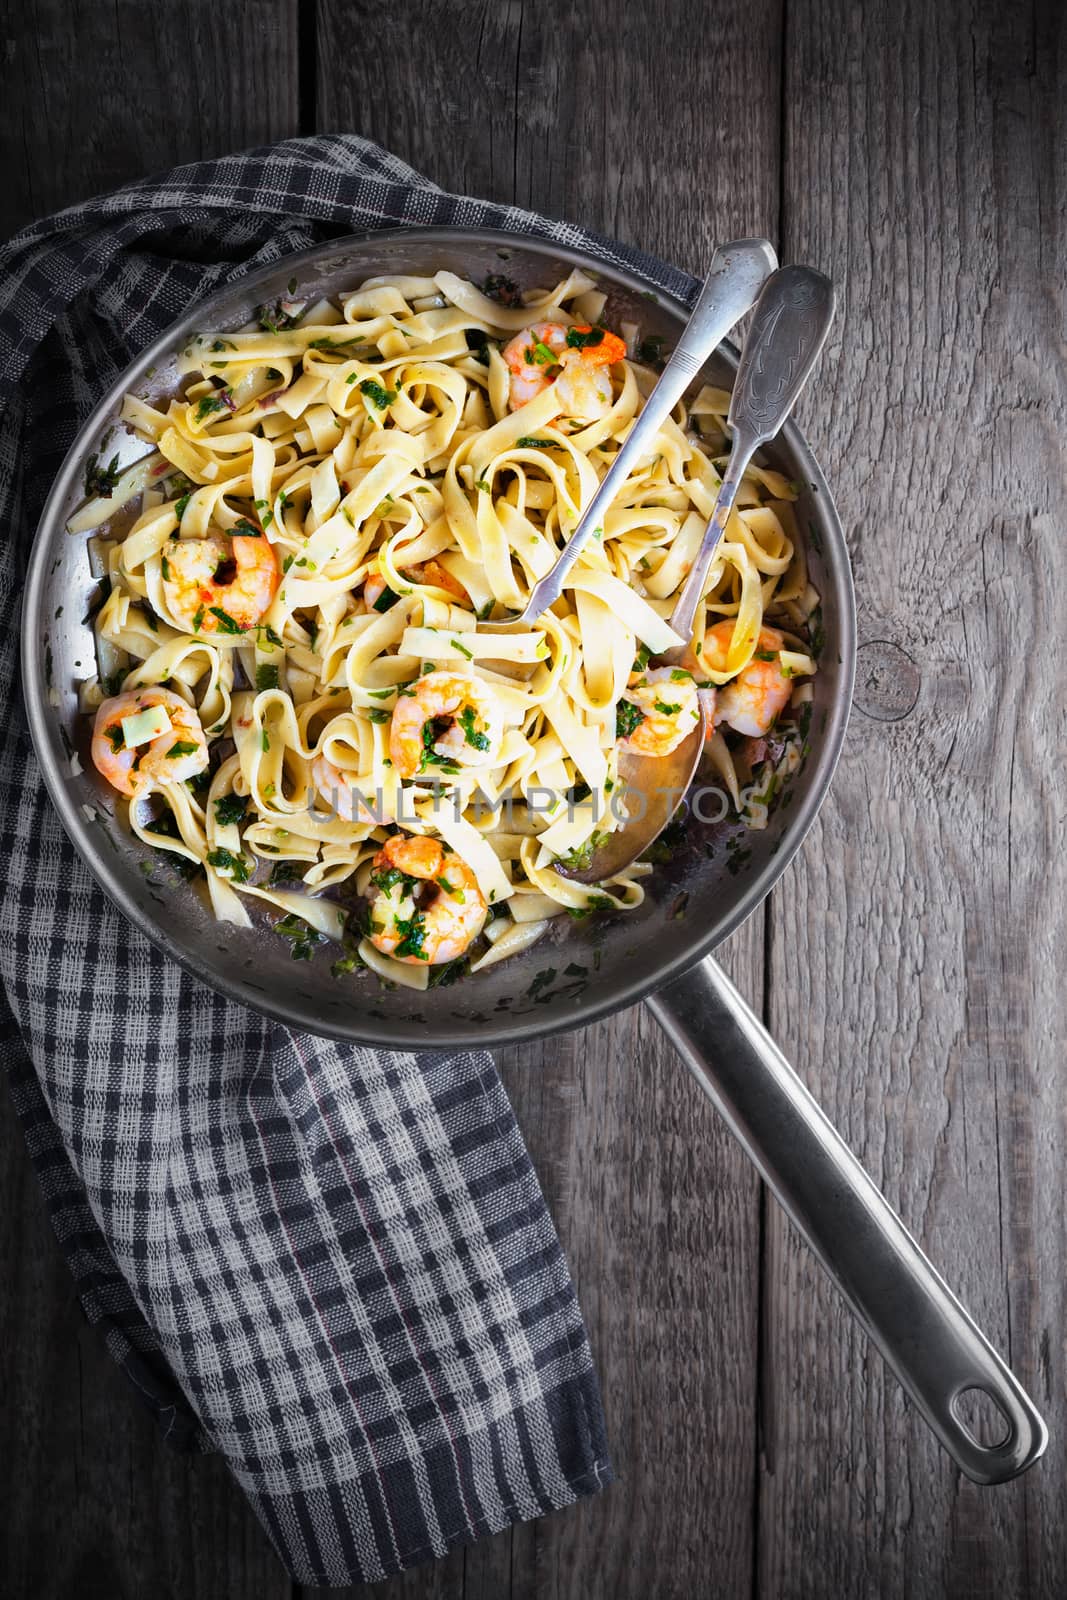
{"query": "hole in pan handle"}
{"type": "Point", "coordinates": [922, 1330]}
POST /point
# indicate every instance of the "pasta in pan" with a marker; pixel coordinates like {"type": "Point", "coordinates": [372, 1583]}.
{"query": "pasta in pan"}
{"type": "Point", "coordinates": [299, 695]}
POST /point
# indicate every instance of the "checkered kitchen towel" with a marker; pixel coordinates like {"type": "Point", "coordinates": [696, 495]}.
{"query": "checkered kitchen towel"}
{"type": "Point", "coordinates": [332, 1265]}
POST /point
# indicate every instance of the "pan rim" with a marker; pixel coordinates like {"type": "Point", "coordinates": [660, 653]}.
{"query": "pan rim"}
{"type": "Point", "coordinates": [369, 1030]}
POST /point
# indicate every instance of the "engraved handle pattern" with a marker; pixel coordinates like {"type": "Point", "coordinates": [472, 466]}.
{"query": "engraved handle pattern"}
{"type": "Point", "coordinates": [787, 331]}
{"type": "Point", "coordinates": [789, 328]}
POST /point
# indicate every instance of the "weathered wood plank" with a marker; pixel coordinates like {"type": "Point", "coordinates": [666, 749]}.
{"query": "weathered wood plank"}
{"type": "Point", "coordinates": [96, 95]}
{"type": "Point", "coordinates": [94, 1502]}
{"type": "Point", "coordinates": [916, 967]}
{"type": "Point", "coordinates": [604, 114]}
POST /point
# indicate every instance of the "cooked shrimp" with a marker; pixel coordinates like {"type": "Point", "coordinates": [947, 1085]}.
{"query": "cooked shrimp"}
{"type": "Point", "coordinates": [219, 584]}
{"type": "Point", "coordinates": [443, 722]}
{"type": "Point", "coordinates": [338, 788]}
{"type": "Point", "coordinates": [427, 905]}
{"type": "Point", "coordinates": [428, 572]}
{"type": "Point", "coordinates": [177, 753]}
{"type": "Point", "coordinates": [752, 701]}
{"type": "Point", "coordinates": [548, 353]}
{"type": "Point", "coordinates": [658, 712]}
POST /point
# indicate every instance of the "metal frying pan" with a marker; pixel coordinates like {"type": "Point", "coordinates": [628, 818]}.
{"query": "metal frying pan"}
{"type": "Point", "coordinates": [710, 882]}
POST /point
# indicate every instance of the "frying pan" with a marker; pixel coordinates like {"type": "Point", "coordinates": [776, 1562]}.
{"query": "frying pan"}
{"type": "Point", "coordinates": [711, 879]}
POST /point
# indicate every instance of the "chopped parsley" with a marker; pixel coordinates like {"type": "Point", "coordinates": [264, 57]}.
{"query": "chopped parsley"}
{"type": "Point", "coordinates": [642, 658]}
{"type": "Point", "coordinates": [116, 736]}
{"type": "Point", "coordinates": [264, 743]}
{"type": "Point", "coordinates": [230, 809]}
{"type": "Point", "coordinates": [412, 932]}
{"type": "Point", "coordinates": [272, 319]}
{"type": "Point", "coordinates": [431, 731]}
{"type": "Point", "coordinates": [209, 403]}
{"type": "Point", "coordinates": [667, 709]}
{"type": "Point", "coordinates": [628, 716]}
{"type": "Point", "coordinates": [580, 341]}
{"type": "Point", "coordinates": [650, 350]}
{"type": "Point", "coordinates": [301, 934]}
{"type": "Point", "coordinates": [462, 648]}
{"type": "Point", "coordinates": [180, 505]}
{"type": "Point", "coordinates": [182, 747]}
{"type": "Point", "coordinates": [225, 621]}
{"type": "Point", "coordinates": [248, 530]}
{"type": "Point", "coordinates": [376, 394]}
{"type": "Point", "coordinates": [102, 480]}
{"type": "Point", "coordinates": [164, 567]}
{"type": "Point", "coordinates": [229, 865]}
{"type": "Point", "coordinates": [166, 827]}
{"type": "Point", "coordinates": [596, 902]}
{"type": "Point", "coordinates": [266, 677]}
{"type": "Point", "coordinates": [476, 740]}
{"type": "Point", "coordinates": [388, 878]}
{"type": "Point", "coordinates": [379, 716]}
{"type": "Point", "coordinates": [449, 972]}
{"type": "Point", "coordinates": [287, 872]}
{"type": "Point", "coordinates": [582, 854]}
{"type": "Point", "coordinates": [386, 599]}
{"type": "Point", "coordinates": [530, 442]}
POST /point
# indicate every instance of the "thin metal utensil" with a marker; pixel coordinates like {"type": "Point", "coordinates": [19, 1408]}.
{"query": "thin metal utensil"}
{"type": "Point", "coordinates": [787, 332]}
{"type": "Point", "coordinates": [738, 272]}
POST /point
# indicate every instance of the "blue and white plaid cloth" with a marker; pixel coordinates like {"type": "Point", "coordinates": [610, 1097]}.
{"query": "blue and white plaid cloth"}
{"type": "Point", "coordinates": [334, 1266]}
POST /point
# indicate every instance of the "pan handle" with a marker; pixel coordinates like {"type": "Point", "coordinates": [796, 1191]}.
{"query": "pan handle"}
{"type": "Point", "coordinates": [923, 1332]}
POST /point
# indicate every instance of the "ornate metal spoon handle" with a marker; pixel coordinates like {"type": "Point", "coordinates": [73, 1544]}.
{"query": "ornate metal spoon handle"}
{"type": "Point", "coordinates": [787, 332]}
{"type": "Point", "coordinates": [738, 271]}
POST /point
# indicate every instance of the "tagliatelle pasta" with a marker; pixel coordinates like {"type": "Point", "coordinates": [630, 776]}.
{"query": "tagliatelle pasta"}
{"type": "Point", "coordinates": [299, 694]}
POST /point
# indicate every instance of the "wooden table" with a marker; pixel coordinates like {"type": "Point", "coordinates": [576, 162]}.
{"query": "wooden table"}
{"type": "Point", "coordinates": [910, 960]}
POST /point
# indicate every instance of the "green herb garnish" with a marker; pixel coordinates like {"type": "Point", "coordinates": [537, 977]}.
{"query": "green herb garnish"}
{"type": "Point", "coordinates": [466, 720]}
{"type": "Point", "coordinates": [225, 621]}
{"type": "Point", "coordinates": [102, 480]}
{"type": "Point", "coordinates": [266, 677]}
{"type": "Point", "coordinates": [229, 865]}
{"type": "Point", "coordinates": [650, 350]}
{"type": "Point", "coordinates": [301, 934]}
{"type": "Point", "coordinates": [230, 809]}
{"type": "Point", "coordinates": [376, 394]}
{"type": "Point", "coordinates": [580, 341]}
{"type": "Point", "coordinates": [628, 716]}
{"type": "Point", "coordinates": [209, 403]}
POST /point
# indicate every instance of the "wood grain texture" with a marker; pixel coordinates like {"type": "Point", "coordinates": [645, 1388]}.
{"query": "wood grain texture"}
{"type": "Point", "coordinates": [917, 944]}
{"type": "Point", "coordinates": [94, 1503]}
{"type": "Point", "coordinates": [96, 94]}
{"type": "Point", "coordinates": [658, 1212]}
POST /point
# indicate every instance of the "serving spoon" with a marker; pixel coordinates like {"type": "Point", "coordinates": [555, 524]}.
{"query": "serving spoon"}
{"type": "Point", "coordinates": [787, 332]}
{"type": "Point", "coordinates": [737, 274]}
